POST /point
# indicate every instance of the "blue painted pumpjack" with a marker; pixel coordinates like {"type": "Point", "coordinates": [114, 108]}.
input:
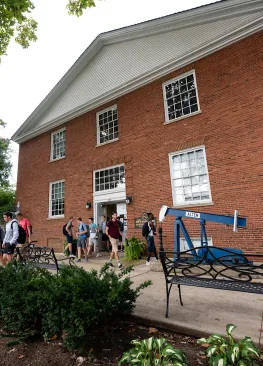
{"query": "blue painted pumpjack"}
{"type": "Point", "coordinates": [179, 226]}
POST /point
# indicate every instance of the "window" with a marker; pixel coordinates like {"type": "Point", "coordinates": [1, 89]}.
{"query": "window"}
{"type": "Point", "coordinates": [58, 144]}
{"type": "Point", "coordinates": [196, 243]}
{"type": "Point", "coordinates": [56, 198]}
{"type": "Point", "coordinates": [189, 176]}
{"type": "Point", "coordinates": [180, 97]}
{"type": "Point", "coordinates": [107, 125]}
{"type": "Point", "coordinates": [110, 178]}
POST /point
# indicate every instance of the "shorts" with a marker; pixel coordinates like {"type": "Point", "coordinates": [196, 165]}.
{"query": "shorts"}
{"type": "Point", "coordinates": [81, 243]}
{"type": "Point", "coordinates": [69, 239]}
{"type": "Point", "coordinates": [150, 243]}
{"type": "Point", "coordinates": [105, 237]}
{"type": "Point", "coordinates": [21, 248]}
{"type": "Point", "coordinates": [114, 244]}
{"type": "Point", "coordinates": [9, 248]}
{"type": "Point", "coordinates": [93, 240]}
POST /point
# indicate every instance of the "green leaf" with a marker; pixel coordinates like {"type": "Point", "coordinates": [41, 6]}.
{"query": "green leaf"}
{"type": "Point", "coordinates": [211, 350]}
{"type": "Point", "coordinates": [234, 354]}
{"type": "Point", "coordinates": [230, 328]}
{"type": "Point", "coordinates": [251, 349]}
{"type": "Point", "coordinates": [219, 361]}
{"type": "Point", "coordinates": [202, 340]}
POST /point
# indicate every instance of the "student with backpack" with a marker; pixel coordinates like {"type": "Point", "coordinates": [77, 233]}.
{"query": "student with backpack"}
{"type": "Point", "coordinates": [23, 223]}
{"type": "Point", "coordinates": [82, 237]}
{"type": "Point", "coordinates": [148, 231]}
{"type": "Point", "coordinates": [12, 234]}
{"type": "Point", "coordinates": [2, 235]}
{"type": "Point", "coordinates": [67, 231]}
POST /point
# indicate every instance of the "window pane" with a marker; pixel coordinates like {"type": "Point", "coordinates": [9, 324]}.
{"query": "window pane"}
{"type": "Point", "coordinates": [190, 177]}
{"type": "Point", "coordinates": [57, 199]}
{"type": "Point", "coordinates": [108, 125]}
{"type": "Point", "coordinates": [59, 145]}
{"type": "Point", "coordinates": [181, 97]}
{"type": "Point", "coordinates": [110, 178]}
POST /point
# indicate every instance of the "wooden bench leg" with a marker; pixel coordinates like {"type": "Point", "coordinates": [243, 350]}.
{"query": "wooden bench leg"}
{"type": "Point", "coordinates": [180, 297]}
{"type": "Point", "coordinates": [167, 298]}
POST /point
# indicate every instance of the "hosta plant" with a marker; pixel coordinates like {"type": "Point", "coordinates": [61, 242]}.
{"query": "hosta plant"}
{"type": "Point", "coordinates": [226, 351]}
{"type": "Point", "coordinates": [153, 352]}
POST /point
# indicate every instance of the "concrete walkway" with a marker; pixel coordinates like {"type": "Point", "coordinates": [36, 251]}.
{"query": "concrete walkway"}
{"type": "Point", "coordinates": [205, 311]}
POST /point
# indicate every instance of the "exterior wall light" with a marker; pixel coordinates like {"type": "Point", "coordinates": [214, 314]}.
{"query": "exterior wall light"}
{"type": "Point", "coordinates": [88, 205]}
{"type": "Point", "coordinates": [128, 199]}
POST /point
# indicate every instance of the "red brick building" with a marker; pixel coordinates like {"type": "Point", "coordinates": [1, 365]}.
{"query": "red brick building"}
{"type": "Point", "coordinates": [168, 111]}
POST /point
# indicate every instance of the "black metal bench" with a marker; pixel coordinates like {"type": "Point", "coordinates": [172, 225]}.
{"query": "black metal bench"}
{"type": "Point", "coordinates": [42, 257]}
{"type": "Point", "coordinates": [231, 271]}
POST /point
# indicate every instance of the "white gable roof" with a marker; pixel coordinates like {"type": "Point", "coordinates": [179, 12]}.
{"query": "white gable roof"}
{"type": "Point", "coordinates": [120, 61]}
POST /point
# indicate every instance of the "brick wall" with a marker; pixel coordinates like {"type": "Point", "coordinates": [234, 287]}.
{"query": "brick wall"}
{"type": "Point", "coordinates": [230, 126]}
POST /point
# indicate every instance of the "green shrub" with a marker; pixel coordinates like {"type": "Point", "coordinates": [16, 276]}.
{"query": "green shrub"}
{"type": "Point", "coordinates": [225, 351]}
{"type": "Point", "coordinates": [134, 249]}
{"type": "Point", "coordinates": [69, 304]}
{"type": "Point", "coordinates": [153, 352]}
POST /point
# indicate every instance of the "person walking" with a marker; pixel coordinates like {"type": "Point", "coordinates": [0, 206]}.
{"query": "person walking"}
{"type": "Point", "coordinates": [148, 231]}
{"type": "Point", "coordinates": [2, 236]}
{"type": "Point", "coordinates": [113, 232]}
{"type": "Point", "coordinates": [93, 238]}
{"type": "Point", "coordinates": [105, 238]}
{"type": "Point", "coordinates": [25, 223]}
{"type": "Point", "coordinates": [121, 226]}
{"type": "Point", "coordinates": [10, 239]}
{"type": "Point", "coordinates": [69, 236]}
{"type": "Point", "coordinates": [82, 236]}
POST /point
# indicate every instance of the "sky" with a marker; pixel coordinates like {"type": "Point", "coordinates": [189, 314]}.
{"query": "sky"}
{"type": "Point", "coordinates": [28, 75]}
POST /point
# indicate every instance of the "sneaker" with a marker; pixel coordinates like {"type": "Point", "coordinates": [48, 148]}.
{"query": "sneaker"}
{"type": "Point", "coordinates": [72, 255]}
{"type": "Point", "coordinates": [78, 260]}
{"type": "Point", "coordinates": [110, 264]}
{"type": "Point", "coordinates": [120, 265]}
{"type": "Point", "coordinates": [98, 255]}
{"type": "Point", "coordinates": [156, 260]}
{"type": "Point", "coordinates": [147, 263]}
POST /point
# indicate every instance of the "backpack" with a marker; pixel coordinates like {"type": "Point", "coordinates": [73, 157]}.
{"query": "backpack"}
{"type": "Point", "coordinates": [145, 229]}
{"type": "Point", "coordinates": [121, 226]}
{"type": "Point", "coordinates": [64, 230]}
{"type": "Point", "coordinates": [21, 233]}
{"type": "Point", "coordinates": [2, 235]}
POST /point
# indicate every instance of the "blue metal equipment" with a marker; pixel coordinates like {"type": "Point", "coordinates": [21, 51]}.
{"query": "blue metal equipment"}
{"type": "Point", "coordinates": [179, 227]}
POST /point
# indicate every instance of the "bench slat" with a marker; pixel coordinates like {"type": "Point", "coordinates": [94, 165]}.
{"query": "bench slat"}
{"type": "Point", "coordinates": [240, 286]}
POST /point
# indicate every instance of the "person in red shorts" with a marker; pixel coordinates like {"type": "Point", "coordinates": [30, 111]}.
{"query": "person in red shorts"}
{"type": "Point", "coordinates": [113, 232]}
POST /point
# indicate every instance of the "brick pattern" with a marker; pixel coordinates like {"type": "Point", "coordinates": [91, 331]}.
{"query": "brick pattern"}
{"type": "Point", "coordinates": [230, 126]}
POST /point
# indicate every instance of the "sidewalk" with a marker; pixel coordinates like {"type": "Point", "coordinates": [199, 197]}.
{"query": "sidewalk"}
{"type": "Point", "coordinates": [205, 311]}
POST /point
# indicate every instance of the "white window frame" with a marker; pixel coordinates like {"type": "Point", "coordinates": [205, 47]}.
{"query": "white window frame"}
{"type": "Point", "coordinates": [115, 106]}
{"type": "Point", "coordinates": [120, 189]}
{"type": "Point", "coordinates": [52, 146]}
{"type": "Point", "coordinates": [50, 216]}
{"type": "Point", "coordinates": [183, 242]}
{"type": "Point", "coordinates": [190, 203]}
{"type": "Point", "coordinates": [191, 72]}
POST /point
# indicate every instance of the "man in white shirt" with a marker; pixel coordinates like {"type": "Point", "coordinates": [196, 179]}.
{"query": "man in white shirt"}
{"type": "Point", "coordinates": [10, 239]}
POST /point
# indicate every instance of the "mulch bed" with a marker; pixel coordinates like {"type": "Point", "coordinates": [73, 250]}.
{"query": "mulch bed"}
{"type": "Point", "coordinates": [104, 348]}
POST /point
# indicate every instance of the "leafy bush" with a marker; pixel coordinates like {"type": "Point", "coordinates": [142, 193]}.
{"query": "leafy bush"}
{"type": "Point", "coordinates": [153, 352]}
{"type": "Point", "coordinates": [134, 249]}
{"type": "Point", "coordinates": [67, 305]}
{"type": "Point", "coordinates": [226, 351]}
